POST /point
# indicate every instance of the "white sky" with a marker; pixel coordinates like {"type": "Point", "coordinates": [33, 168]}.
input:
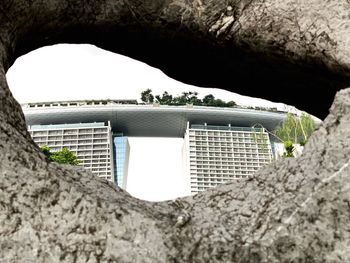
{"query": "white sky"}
{"type": "Point", "coordinates": [72, 72]}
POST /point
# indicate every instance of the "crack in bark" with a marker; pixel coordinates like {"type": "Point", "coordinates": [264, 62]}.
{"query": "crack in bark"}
{"type": "Point", "coordinates": [315, 191]}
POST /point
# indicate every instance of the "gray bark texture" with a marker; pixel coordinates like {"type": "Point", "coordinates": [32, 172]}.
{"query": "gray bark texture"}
{"type": "Point", "coordinates": [295, 210]}
{"type": "Point", "coordinates": [253, 47]}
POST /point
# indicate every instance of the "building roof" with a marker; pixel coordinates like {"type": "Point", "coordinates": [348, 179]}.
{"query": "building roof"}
{"type": "Point", "coordinates": [148, 120]}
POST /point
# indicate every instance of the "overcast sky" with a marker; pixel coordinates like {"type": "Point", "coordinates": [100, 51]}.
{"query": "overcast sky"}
{"type": "Point", "coordinates": [72, 72]}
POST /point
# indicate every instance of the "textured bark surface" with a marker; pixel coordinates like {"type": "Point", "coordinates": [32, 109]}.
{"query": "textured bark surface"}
{"type": "Point", "coordinates": [253, 47]}
{"type": "Point", "coordinates": [296, 210]}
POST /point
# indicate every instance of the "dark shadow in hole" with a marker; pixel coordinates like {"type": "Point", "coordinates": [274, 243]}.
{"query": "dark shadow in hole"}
{"type": "Point", "coordinates": [194, 59]}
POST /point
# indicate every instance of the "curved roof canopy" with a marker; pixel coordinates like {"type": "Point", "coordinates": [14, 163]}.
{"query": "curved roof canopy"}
{"type": "Point", "coordinates": [148, 120]}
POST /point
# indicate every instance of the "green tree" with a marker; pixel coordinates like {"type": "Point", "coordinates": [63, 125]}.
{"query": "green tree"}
{"type": "Point", "coordinates": [219, 103]}
{"type": "Point", "coordinates": [208, 100]}
{"type": "Point", "coordinates": [46, 151]}
{"type": "Point", "coordinates": [166, 98]}
{"type": "Point", "coordinates": [193, 99]}
{"type": "Point", "coordinates": [307, 126]}
{"type": "Point", "coordinates": [187, 98]}
{"type": "Point", "coordinates": [295, 130]}
{"type": "Point", "coordinates": [146, 96]}
{"type": "Point", "coordinates": [190, 97]}
{"type": "Point", "coordinates": [179, 100]}
{"type": "Point", "coordinates": [231, 104]}
{"type": "Point", "coordinates": [183, 99]}
{"type": "Point", "coordinates": [65, 156]}
{"type": "Point", "coordinates": [289, 147]}
{"type": "Point", "coordinates": [288, 131]}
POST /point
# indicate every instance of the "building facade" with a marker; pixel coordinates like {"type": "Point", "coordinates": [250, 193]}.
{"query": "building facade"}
{"type": "Point", "coordinates": [213, 154]}
{"type": "Point", "coordinates": [218, 154]}
{"type": "Point", "coordinates": [91, 142]}
{"type": "Point", "coordinates": [121, 159]}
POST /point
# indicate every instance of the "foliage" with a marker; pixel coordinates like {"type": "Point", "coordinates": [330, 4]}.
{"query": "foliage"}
{"type": "Point", "coordinates": [46, 151]}
{"type": "Point", "coordinates": [146, 96]}
{"type": "Point", "coordinates": [302, 143]}
{"type": "Point", "coordinates": [166, 98]}
{"type": "Point", "coordinates": [295, 130]}
{"type": "Point", "coordinates": [208, 100]}
{"type": "Point", "coordinates": [192, 98]}
{"type": "Point", "coordinates": [64, 156]}
{"type": "Point", "coordinates": [231, 103]}
{"type": "Point", "coordinates": [308, 126]}
{"type": "Point", "coordinates": [288, 130]}
{"type": "Point", "coordinates": [289, 147]}
{"type": "Point", "coordinates": [185, 98]}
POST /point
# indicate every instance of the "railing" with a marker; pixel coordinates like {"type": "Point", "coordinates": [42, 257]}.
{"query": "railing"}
{"type": "Point", "coordinates": [225, 128]}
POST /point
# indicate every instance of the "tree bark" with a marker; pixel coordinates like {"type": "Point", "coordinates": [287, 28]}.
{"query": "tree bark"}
{"type": "Point", "coordinates": [295, 210]}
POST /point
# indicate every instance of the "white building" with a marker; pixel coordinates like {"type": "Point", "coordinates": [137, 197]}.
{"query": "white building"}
{"type": "Point", "coordinates": [91, 142]}
{"type": "Point", "coordinates": [214, 154]}
{"type": "Point", "coordinates": [218, 154]}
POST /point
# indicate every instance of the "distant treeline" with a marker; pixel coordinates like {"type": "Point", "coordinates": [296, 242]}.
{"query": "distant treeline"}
{"type": "Point", "coordinates": [184, 99]}
{"type": "Point", "coordinates": [191, 98]}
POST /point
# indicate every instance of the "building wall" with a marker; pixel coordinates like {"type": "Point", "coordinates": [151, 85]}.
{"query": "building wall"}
{"type": "Point", "coordinates": [186, 164]}
{"type": "Point", "coordinates": [122, 152]}
{"type": "Point", "coordinates": [91, 142]}
{"type": "Point", "coordinates": [126, 165]}
{"type": "Point", "coordinates": [218, 154]}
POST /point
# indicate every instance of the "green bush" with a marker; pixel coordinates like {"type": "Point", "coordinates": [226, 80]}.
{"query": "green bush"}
{"type": "Point", "coordinates": [65, 156]}
{"type": "Point", "coordinates": [289, 147]}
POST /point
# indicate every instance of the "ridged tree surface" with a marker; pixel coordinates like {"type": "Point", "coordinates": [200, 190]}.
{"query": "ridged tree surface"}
{"type": "Point", "coordinates": [296, 210]}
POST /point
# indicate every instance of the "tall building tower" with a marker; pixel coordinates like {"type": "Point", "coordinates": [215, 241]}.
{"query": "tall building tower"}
{"type": "Point", "coordinates": [91, 142]}
{"type": "Point", "coordinates": [121, 159]}
{"type": "Point", "coordinates": [218, 154]}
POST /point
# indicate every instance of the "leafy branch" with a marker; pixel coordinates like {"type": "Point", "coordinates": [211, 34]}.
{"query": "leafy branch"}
{"type": "Point", "coordinates": [65, 156]}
